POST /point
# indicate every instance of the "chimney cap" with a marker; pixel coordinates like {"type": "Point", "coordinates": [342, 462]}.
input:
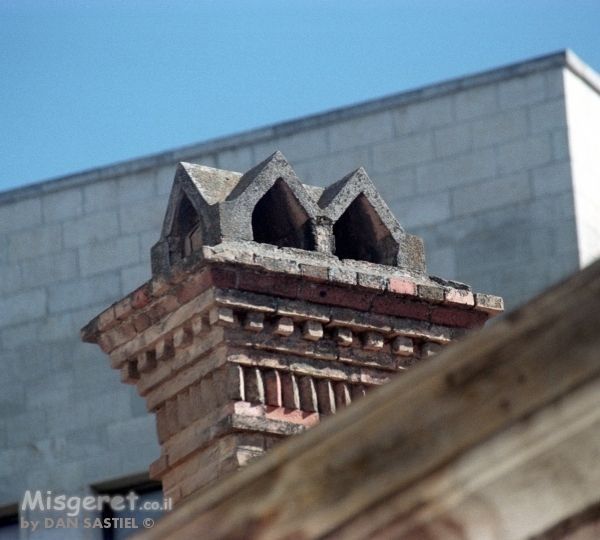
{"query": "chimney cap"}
{"type": "Point", "coordinates": [268, 204]}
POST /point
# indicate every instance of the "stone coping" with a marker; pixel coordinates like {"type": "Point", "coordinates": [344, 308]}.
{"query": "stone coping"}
{"type": "Point", "coordinates": [294, 273]}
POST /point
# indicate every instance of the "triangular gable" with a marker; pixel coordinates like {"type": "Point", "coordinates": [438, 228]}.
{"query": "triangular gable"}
{"type": "Point", "coordinates": [336, 199]}
{"type": "Point", "coordinates": [236, 214]}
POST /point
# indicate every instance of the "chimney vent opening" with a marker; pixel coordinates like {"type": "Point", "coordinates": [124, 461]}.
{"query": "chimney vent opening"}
{"type": "Point", "coordinates": [186, 235]}
{"type": "Point", "coordinates": [360, 234]}
{"type": "Point", "coordinates": [279, 219]}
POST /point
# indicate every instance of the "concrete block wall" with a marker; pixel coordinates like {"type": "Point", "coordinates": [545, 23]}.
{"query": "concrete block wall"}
{"type": "Point", "coordinates": [481, 167]}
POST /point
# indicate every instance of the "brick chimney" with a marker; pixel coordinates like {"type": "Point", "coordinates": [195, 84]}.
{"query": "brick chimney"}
{"type": "Point", "coordinates": [272, 303]}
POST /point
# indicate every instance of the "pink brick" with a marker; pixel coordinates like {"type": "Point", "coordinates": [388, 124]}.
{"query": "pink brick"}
{"type": "Point", "coordinates": [458, 296]}
{"type": "Point", "coordinates": [295, 416]}
{"type": "Point", "coordinates": [402, 286]}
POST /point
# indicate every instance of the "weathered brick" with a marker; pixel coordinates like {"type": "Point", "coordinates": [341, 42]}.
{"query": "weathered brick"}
{"type": "Point", "coordinates": [123, 308]}
{"type": "Point", "coordinates": [372, 341]}
{"type": "Point", "coordinates": [335, 296]}
{"type": "Point", "coordinates": [254, 385]}
{"type": "Point", "coordinates": [141, 297]}
{"type": "Point", "coordinates": [284, 326]}
{"type": "Point", "coordinates": [184, 409]}
{"type": "Point", "coordinates": [172, 416]}
{"type": "Point", "coordinates": [162, 307]}
{"type": "Point", "coordinates": [211, 277]}
{"type": "Point", "coordinates": [274, 285]}
{"type": "Point", "coordinates": [141, 321]}
{"type": "Point", "coordinates": [312, 330]}
{"type": "Point", "coordinates": [342, 336]}
{"type": "Point", "coordinates": [159, 285]}
{"type": "Point", "coordinates": [182, 337]}
{"type": "Point", "coordinates": [164, 349]}
{"type": "Point", "coordinates": [233, 382]}
{"type": "Point", "coordinates": [459, 297]}
{"type": "Point", "coordinates": [308, 394]}
{"type": "Point", "coordinates": [290, 396]}
{"type": "Point", "coordinates": [461, 318]}
{"type": "Point", "coordinates": [146, 361]}
{"type": "Point", "coordinates": [129, 373]}
{"type": "Point", "coordinates": [372, 281]}
{"type": "Point", "coordinates": [341, 391]}
{"type": "Point", "coordinates": [430, 293]}
{"type": "Point", "coordinates": [221, 316]}
{"type": "Point", "coordinates": [254, 321]}
{"type": "Point", "coordinates": [107, 319]}
{"type": "Point", "coordinates": [158, 468]}
{"type": "Point", "coordinates": [489, 303]}
{"type": "Point", "coordinates": [373, 377]}
{"type": "Point", "coordinates": [162, 428]}
{"type": "Point", "coordinates": [325, 396]}
{"type": "Point", "coordinates": [400, 308]}
{"type": "Point", "coordinates": [342, 275]}
{"type": "Point", "coordinates": [314, 273]}
{"type": "Point", "coordinates": [402, 346]}
{"type": "Point", "coordinates": [401, 286]}
{"type": "Point", "coordinates": [273, 394]}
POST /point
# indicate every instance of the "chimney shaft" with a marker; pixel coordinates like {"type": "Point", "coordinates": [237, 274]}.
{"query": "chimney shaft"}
{"type": "Point", "coordinates": [252, 329]}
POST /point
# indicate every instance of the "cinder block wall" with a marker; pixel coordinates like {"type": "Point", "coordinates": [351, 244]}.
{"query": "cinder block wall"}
{"type": "Point", "coordinates": [479, 167]}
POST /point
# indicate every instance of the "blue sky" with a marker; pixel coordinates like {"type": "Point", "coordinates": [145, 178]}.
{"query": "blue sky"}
{"type": "Point", "coordinates": [90, 83]}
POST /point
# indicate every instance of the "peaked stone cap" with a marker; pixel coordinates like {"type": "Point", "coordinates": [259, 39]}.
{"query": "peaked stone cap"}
{"type": "Point", "coordinates": [269, 205]}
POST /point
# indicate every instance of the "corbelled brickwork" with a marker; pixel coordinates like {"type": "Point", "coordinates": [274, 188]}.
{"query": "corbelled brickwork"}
{"type": "Point", "coordinates": [272, 304]}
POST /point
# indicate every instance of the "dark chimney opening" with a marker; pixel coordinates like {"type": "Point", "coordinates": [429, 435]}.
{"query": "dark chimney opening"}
{"type": "Point", "coordinates": [279, 219]}
{"type": "Point", "coordinates": [360, 234]}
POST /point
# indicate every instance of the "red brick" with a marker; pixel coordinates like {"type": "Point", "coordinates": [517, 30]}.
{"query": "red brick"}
{"type": "Point", "coordinates": [140, 298]}
{"type": "Point", "coordinates": [400, 308]}
{"type": "Point", "coordinates": [401, 286]}
{"type": "Point", "coordinates": [273, 388]}
{"type": "Point", "coordinates": [457, 317]}
{"type": "Point", "coordinates": [141, 321]}
{"type": "Point", "coordinates": [222, 277]}
{"type": "Point", "coordinates": [274, 285]}
{"type": "Point", "coordinates": [211, 277]}
{"type": "Point", "coordinates": [163, 306]}
{"type": "Point", "coordinates": [335, 296]}
{"type": "Point", "coordinates": [194, 286]}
